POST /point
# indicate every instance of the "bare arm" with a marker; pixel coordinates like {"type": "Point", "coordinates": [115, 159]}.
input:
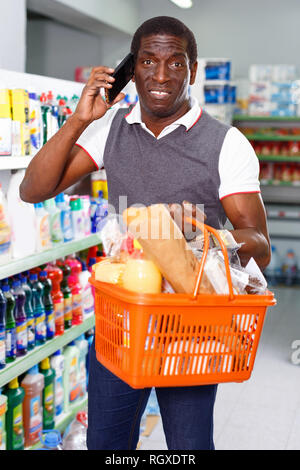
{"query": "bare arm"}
{"type": "Point", "coordinates": [60, 163]}
{"type": "Point", "coordinates": [247, 214]}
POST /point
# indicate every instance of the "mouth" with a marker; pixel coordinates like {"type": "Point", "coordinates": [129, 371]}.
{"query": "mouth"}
{"type": "Point", "coordinates": [159, 93]}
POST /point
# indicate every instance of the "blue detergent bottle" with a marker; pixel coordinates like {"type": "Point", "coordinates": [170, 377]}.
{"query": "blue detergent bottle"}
{"type": "Point", "coordinates": [65, 217]}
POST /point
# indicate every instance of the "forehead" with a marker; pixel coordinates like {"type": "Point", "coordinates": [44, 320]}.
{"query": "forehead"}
{"type": "Point", "coordinates": [165, 43]}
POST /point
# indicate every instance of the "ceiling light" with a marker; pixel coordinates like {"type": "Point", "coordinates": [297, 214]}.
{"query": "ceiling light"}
{"type": "Point", "coordinates": [183, 3]}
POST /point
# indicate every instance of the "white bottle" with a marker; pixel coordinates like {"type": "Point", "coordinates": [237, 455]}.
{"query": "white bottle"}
{"type": "Point", "coordinates": [43, 234]}
{"type": "Point", "coordinates": [5, 231]}
{"type": "Point", "coordinates": [83, 347]}
{"type": "Point", "coordinates": [77, 217]}
{"type": "Point", "coordinates": [22, 219]}
{"type": "Point", "coordinates": [87, 293]}
{"type": "Point", "coordinates": [55, 222]}
{"type": "Point", "coordinates": [57, 362]}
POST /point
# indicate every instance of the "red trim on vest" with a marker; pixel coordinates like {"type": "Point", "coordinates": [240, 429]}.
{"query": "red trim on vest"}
{"type": "Point", "coordinates": [196, 120]}
{"type": "Point", "coordinates": [87, 154]}
{"type": "Point", "coordinates": [126, 115]}
{"type": "Point", "coordinates": [241, 192]}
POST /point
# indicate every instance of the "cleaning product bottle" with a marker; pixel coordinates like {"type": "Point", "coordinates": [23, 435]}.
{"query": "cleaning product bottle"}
{"type": "Point", "coordinates": [3, 303]}
{"type": "Point", "coordinates": [67, 293]}
{"type": "Point", "coordinates": [57, 363]}
{"type": "Point", "coordinates": [83, 347]}
{"type": "Point", "coordinates": [48, 394]}
{"type": "Point", "coordinates": [20, 317]}
{"type": "Point", "coordinates": [35, 123]}
{"type": "Point", "coordinates": [33, 384]}
{"type": "Point", "coordinates": [71, 376]}
{"type": "Point", "coordinates": [76, 432]}
{"type": "Point", "coordinates": [29, 312]}
{"type": "Point", "coordinates": [55, 275]}
{"type": "Point", "coordinates": [87, 294]}
{"type": "Point", "coordinates": [14, 415]}
{"type": "Point", "coordinates": [77, 217]}
{"type": "Point", "coordinates": [52, 440]}
{"type": "Point", "coordinates": [5, 230]}
{"type": "Point", "coordinates": [43, 234]}
{"type": "Point", "coordinates": [48, 304]}
{"type": "Point", "coordinates": [86, 208]}
{"type": "Point", "coordinates": [22, 219]}
{"type": "Point", "coordinates": [55, 222]}
{"type": "Point", "coordinates": [74, 284]}
{"type": "Point", "coordinates": [3, 410]}
{"type": "Point", "coordinates": [65, 217]}
{"type": "Point", "coordinates": [289, 267]}
{"type": "Point", "coordinates": [38, 308]}
{"type": "Point", "coordinates": [10, 324]}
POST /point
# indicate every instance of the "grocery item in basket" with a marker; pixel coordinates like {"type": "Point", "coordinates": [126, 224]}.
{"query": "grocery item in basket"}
{"type": "Point", "coordinates": [142, 275]}
{"type": "Point", "coordinates": [163, 242]}
{"type": "Point", "coordinates": [107, 271]}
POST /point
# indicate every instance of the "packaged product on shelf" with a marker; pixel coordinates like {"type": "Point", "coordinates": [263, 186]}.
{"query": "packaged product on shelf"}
{"type": "Point", "coordinates": [83, 347]}
{"type": "Point", "coordinates": [273, 271]}
{"type": "Point", "coordinates": [10, 324]}
{"type": "Point", "coordinates": [33, 385]}
{"type": "Point", "coordinates": [3, 304]}
{"type": "Point", "coordinates": [22, 219]}
{"type": "Point", "coordinates": [51, 440]}
{"type": "Point", "coordinates": [55, 222]}
{"type": "Point", "coordinates": [214, 68]}
{"type": "Point", "coordinates": [55, 274]}
{"type": "Point", "coordinates": [20, 317]}
{"type": "Point", "coordinates": [48, 394]}
{"type": "Point", "coordinates": [86, 207]}
{"type": "Point", "coordinates": [216, 92]}
{"type": "Point", "coordinates": [87, 294]}
{"type": "Point", "coordinates": [20, 124]}
{"type": "Point", "coordinates": [65, 217]}
{"type": "Point", "coordinates": [76, 289]}
{"type": "Point", "coordinates": [290, 267]}
{"type": "Point", "coordinates": [3, 410]}
{"type": "Point", "coordinates": [35, 123]}
{"type": "Point", "coordinates": [5, 230]}
{"type": "Point", "coordinates": [29, 312]}
{"type": "Point", "coordinates": [5, 123]}
{"type": "Point", "coordinates": [48, 304]}
{"type": "Point", "coordinates": [77, 217]}
{"type": "Point", "coordinates": [43, 233]}
{"type": "Point", "coordinates": [71, 376]}
{"type": "Point", "coordinates": [99, 210]}
{"type": "Point", "coordinates": [67, 293]}
{"type": "Point", "coordinates": [75, 434]}
{"type": "Point", "coordinates": [38, 308]}
{"type": "Point", "coordinates": [57, 363]}
{"type": "Point", "coordinates": [99, 183]}
{"type": "Point", "coordinates": [14, 415]}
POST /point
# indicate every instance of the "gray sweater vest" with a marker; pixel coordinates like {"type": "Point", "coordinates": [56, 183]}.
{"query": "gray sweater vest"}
{"type": "Point", "coordinates": [182, 165]}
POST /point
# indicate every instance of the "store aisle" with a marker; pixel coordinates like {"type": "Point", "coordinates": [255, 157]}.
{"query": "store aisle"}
{"type": "Point", "coordinates": [264, 412]}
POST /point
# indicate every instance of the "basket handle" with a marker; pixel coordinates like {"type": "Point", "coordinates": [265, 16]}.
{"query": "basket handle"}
{"type": "Point", "coordinates": [206, 229]}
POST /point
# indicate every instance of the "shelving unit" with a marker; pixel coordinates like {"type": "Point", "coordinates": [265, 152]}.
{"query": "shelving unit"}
{"type": "Point", "coordinates": [22, 364]}
{"type": "Point", "coordinates": [14, 163]}
{"type": "Point", "coordinates": [65, 249]}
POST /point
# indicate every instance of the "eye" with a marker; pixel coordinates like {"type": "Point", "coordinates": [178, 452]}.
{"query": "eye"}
{"type": "Point", "coordinates": [178, 64]}
{"type": "Point", "coordinates": [147, 61]}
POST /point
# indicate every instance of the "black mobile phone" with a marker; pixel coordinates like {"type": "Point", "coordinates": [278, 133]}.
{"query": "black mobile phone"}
{"type": "Point", "coordinates": [122, 74]}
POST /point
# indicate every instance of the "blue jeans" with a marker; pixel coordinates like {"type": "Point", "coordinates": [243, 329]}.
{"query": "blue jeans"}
{"type": "Point", "coordinates": [115, 410]}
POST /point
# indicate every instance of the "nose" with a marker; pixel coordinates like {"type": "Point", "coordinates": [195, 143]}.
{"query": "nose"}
{"type": "Point", "coordinates": [161, 74]}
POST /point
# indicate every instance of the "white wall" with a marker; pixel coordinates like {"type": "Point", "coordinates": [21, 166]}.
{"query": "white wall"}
{"type": "Point", "coordinates": [260, 31]}
{"type": "Point", "coordinates": [13, 34]}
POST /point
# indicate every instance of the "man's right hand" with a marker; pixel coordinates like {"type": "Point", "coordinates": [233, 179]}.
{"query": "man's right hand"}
{"type": "Point", "coordinates": [91, 105]}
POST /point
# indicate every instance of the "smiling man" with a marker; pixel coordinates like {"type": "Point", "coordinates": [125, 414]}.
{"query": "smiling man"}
{"type": "Point", "coordinates": [166, 149]}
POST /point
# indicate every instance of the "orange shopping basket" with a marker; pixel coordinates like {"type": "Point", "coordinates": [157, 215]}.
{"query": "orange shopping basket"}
{"type": "Point", "coordinates": [163, 340]}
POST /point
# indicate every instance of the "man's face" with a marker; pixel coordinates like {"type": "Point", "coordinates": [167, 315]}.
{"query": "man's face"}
{"type": "Point", "coordinates": [163, 74]}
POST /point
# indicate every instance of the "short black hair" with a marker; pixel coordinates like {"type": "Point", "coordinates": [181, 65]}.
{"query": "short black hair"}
{"type": "Point", "coordinates": [165, 25]}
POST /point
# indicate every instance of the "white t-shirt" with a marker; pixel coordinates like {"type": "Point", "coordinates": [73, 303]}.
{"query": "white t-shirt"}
{"type": "Point", "coordinates": [238, 163]}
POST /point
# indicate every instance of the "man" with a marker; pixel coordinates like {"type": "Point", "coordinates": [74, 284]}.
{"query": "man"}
{"type": "Point", "coordinates": [166, 149]}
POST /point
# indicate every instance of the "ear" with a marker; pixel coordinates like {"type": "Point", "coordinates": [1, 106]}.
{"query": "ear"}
{"type": "Point", "coordinates": [193, 69]}
{"type": "Point", "coordinates": [133, 78]}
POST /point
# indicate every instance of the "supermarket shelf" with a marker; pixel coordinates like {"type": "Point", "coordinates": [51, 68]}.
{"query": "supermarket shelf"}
{"type": "Point", "coordinates": [14, 163]}
{"type": "Point", "coordinates": [280, 194]}
{"type": "Point", "coordinates": [247, 118]}
{"type": "Point", "coordinates": [24, 264]}
{"type": "Point", "coordinates": [22, 364]}
{"type": "Point", "coordinates": [278, 158]}
{"type": "Point", "coordinates": [272, 137]}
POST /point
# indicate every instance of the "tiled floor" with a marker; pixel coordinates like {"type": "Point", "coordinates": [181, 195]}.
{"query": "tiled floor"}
{"type": "Point", "coordinates": [264, 412]}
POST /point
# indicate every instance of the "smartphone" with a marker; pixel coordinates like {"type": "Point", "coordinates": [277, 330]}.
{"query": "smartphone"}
{"type": "Point", "coordinates": [123, 74]}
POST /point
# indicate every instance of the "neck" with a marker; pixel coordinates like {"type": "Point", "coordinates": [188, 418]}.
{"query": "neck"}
{"type": "Point", "coordinates": [156, 124]}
